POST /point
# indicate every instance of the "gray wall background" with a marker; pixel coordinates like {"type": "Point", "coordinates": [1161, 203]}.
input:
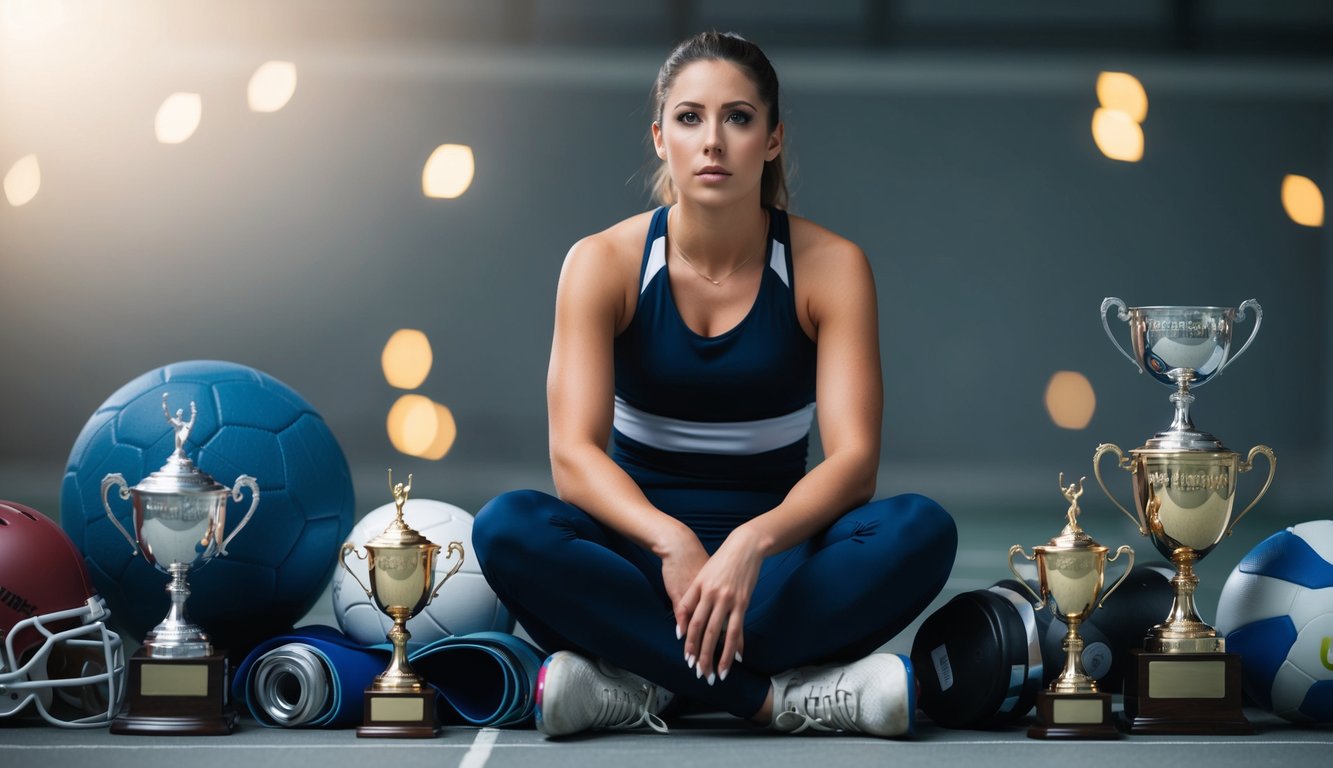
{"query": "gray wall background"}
{"type": "Point", "coordinates": [962, 163]}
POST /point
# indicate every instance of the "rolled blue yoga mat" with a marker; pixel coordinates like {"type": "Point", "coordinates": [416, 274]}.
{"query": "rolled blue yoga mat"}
{"type": "Point", "coordinates": [283, 686]}
{"type": "Point", "coordinates": [486, 678]}
{"type": "Point", "coordinates": [314, 677]}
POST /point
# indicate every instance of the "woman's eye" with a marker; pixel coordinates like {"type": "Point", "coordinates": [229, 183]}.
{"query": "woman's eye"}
{"type": "Point", "coordinates": [738, 117]}
{"type": "Point", "coordinates": [688, 118]}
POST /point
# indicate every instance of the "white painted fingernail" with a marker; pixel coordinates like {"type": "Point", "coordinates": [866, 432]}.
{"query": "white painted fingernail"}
{"type": "Point", "coordinates": [723, 674]}
{"type": "Point", "coordinates": [678, 632]}
{"type": "Point", "coordinates": [698, 672]}
{"type": "Point", "coordinates": [738, 656]}
{"type": "Point", "coordinates": [689, 661]}
{"type": "Point", "coordinates": [712, 678]}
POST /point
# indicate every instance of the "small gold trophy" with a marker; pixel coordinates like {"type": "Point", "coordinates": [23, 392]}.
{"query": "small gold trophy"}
{"type": "Point", "coordinates": [1070, 572]}
{"type": "Point", "coordinates": [401, 561]}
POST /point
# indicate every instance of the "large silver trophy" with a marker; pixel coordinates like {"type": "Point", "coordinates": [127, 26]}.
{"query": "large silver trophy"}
{"type": "Point", "coordinates": [177, 678]}
{"type": "Point", "coordinates": [1184, 486]}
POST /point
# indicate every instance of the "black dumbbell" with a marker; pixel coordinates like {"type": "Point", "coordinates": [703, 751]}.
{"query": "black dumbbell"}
{"type": "Point", "coordinates": [981, 658]}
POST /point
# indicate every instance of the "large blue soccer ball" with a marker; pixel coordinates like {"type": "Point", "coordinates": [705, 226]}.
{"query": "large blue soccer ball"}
{"type": "Point", "coordinates": [247, 423]}
{"type": "Point", "coordinates": [1276, 610]}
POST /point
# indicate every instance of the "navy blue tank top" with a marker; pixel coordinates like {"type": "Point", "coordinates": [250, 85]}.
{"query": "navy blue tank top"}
{"type": "Point", "coordinates": [731, 411]}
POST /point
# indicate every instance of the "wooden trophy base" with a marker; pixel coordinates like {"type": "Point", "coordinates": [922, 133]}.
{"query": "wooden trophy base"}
{"type": "Point", "coordinates": [176, 697]}
{"type": "Point", "coordinates": [1073, 716]}
{"type": "Point", "coordinates": [1191, 693]}
{"type": "Point", "coordinates": [399, 715]}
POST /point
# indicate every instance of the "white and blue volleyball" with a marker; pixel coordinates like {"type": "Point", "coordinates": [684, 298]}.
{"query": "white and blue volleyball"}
{"type": "Point", "coordinates": [1276, 611]}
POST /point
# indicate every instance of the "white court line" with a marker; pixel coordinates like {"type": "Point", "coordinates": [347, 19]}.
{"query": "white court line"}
{"type": "Point", "coordinates": [480, 752]}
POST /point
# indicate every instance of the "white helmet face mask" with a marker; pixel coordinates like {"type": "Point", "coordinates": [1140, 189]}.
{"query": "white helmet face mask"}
{"type": "Point", "coordinates": [58, 659]}
{"type": "Point", "coordinates": [74, 678]}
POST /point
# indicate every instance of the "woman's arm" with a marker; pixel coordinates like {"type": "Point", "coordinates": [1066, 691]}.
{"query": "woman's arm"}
{"type": "Point", "coordinates": [580, 391]}
{"type": "Point", "coordinates": [849, 393]}
{"type": "Point", "coordinates": [840, 305]}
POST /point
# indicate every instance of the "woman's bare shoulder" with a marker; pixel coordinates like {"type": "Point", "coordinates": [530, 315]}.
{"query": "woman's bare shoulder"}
{"type": "Point", "coordinates": [602, 269]}
{"type": "Point", "coordinates": [620, 244]}
{"type": "Point", "coordinates": [811, 242]}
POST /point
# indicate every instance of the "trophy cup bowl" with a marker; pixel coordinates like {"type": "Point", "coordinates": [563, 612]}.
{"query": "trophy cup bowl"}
{"type": "Point", "coordinates": [1184, 501]}
{"type": "Point", "coordinates": [178, 530]}
{"type": "Point", "coordinates": [400, 586]}
{"type": "Point", "coordinates": [1071, 580]}
{"type": "Point", "coordinates": [1183, 348]}
{"type": "Point", "coordinates": [1197, 339]}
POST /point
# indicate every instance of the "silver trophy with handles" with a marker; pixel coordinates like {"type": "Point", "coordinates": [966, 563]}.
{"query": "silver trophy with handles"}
{"type": "Point", "coordinates": [177, 678]}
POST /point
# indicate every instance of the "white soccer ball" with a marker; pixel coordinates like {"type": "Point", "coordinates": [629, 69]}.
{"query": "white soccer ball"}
{"type": "Point", "coordinates": [465, 604]}
{"type": "Point", "coordinates": [1276, 610]}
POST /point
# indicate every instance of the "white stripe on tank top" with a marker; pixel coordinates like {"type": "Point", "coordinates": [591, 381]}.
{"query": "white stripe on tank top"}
{"type": "Point", "coordinates": [736, 438]}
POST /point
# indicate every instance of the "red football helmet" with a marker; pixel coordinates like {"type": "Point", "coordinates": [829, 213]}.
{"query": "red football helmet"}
{"type": "Point", "coordinates": [56, 652]}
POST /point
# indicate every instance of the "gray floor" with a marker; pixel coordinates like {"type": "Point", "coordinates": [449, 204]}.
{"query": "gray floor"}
{"type": "Point", "coordinates": [697, 742]}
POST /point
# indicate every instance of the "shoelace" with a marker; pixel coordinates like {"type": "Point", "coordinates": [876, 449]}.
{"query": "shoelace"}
{"type": "Point", "coordinates": [619, 709]}
{"type": "Point", "coordinates": [835, 711]}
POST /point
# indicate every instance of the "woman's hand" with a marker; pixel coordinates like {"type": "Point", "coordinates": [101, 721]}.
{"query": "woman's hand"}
{"type": "Point", "coordinates": [682, 557]}
{"type": "Point", "coordinates": [714, 606]}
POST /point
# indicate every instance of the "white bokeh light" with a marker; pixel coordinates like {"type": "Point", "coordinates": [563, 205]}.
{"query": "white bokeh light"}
{"type": "Point", "coordinates": [449, 171]}
{"type": "Point", "coordinates": [178, 117]}
{"type": "Point", "coordinates": [272, 86]}
{"type": "Point", "coordinates": [23, 181]}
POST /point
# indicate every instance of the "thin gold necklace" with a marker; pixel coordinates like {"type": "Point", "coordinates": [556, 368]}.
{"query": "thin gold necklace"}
{"type": "Point", "coordinates": [718, 281]}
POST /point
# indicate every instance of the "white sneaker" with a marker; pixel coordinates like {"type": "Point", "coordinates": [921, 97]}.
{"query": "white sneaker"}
{"type": "Point", "coordinates": [575, 694]}
{"type": "Point", "coordinates": [876, 696]}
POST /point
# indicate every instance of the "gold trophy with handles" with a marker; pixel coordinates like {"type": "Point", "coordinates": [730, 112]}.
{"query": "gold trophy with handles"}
{"type": "Point", "coordinates": [1071, 570]}
{"type": "Point", "coordinates": [399, 703]}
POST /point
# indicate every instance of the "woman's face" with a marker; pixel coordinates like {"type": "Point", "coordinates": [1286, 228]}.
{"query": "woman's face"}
{"type": "Point", "coordinates": [714, 134]}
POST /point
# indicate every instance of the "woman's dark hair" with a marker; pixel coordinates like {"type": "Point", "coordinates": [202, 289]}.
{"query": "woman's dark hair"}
{"type": "Point", "coordinates": [730, 47]}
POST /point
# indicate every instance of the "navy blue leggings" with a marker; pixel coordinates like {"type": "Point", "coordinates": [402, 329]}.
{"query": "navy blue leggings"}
{"type": "Point", "coordinates": [577, 585]}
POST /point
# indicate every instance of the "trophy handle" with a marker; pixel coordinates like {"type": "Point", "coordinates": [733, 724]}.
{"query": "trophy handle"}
{"type": "Point", "coordinates": [1123, 316]}
{"type": "Point", "coordinates": [1129, 566]}
{"type": "Point", "coordinates": [342, 560]}
{"type": "Point", "coordinates": [1124, 464]}
{"type": "Point", "coordinates": [1017, 549]}
{"type": "Point", "coordinates": [244, 481]}
{"type": "Point", "coordinates": [107, 482]}
{"type": "Point", "coordinates": [1240, 318]}
{"type": "Point", "coordinates": [454, 546]}
{"type": "Point", "coordinates": [1246, 466]}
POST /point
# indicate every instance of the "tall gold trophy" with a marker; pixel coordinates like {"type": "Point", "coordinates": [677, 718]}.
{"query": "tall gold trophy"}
{"type": "Point", "coordinates": [399, 703]}
{"type": "Point", "coordinates": [1070, 573]}
{"type": "Point", "coordinates": [1184, 485]}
